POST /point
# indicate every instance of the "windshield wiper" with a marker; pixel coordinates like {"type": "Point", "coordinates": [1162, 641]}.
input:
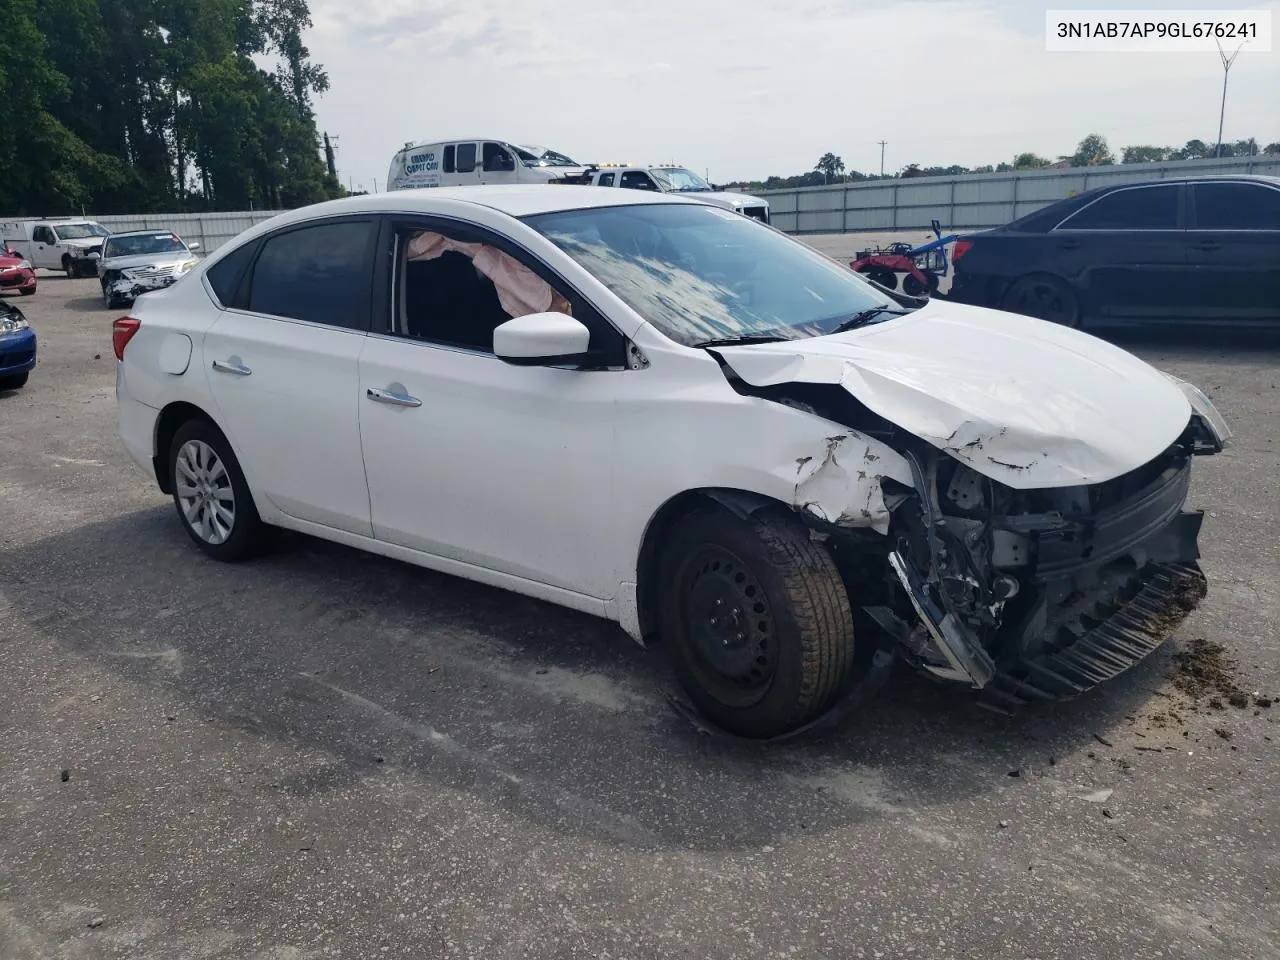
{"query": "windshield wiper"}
{"type": "Point", "coordinates": [742, 341]}
{"type": "Point", "coordinates": [866, 316]}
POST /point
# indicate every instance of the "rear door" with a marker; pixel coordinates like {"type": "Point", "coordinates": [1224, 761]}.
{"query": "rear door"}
{"type": "Point", "coordinates": [284, 370]}
{"type": "Point", "coordinates": [1235, 250]}
{"type": "Point", "coordinates": [461, 164]}
{"type": "Point", "coordinates": [1127, 252]}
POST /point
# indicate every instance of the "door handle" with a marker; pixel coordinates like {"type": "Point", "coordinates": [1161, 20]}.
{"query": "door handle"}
{"type": "Point", "coordinates": [227, 366]}
{"type": "Point", "coordinates": [389, 396]}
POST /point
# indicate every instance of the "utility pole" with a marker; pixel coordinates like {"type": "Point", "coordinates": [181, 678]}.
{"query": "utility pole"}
{"type": "Point", "coordinates": [882, 143]}
{"type": "Point", "coordinates": [1226, 69]}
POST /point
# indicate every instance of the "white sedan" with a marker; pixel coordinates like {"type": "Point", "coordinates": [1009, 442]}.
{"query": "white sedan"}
{"type": "Point", "coordinates": [653, 410]}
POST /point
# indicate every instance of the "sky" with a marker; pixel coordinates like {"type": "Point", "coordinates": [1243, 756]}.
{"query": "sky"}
{"type": "Point", "coordinates": [743, 89]}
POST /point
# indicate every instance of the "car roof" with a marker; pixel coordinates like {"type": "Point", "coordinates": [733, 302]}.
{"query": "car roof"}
{"type": "Point", "coordinates": [143, 233]}
{"type": "Point", "coordinates": [516, 200]}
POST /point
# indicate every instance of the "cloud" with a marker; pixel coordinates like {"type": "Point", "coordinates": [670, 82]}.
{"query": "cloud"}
{"type": "Point", "coordinates": [749, 88]}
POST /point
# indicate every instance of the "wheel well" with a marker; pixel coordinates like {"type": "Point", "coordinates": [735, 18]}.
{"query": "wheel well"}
{"type": "Point", "coordinates": [664, 521]}
{"type": "Point", "coordinates": [171, 418]}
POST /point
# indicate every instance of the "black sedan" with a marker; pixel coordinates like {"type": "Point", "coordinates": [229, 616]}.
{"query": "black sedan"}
{"type": "Point", "coordinates": [1164, 251]}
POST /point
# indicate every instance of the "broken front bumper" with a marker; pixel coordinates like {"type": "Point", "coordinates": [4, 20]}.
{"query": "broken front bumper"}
{"type": "Point", "coordinates": [130, 288]}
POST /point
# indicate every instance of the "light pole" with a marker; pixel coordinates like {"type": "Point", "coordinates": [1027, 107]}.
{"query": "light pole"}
{"type": "Point", "coordinates": [1226, 69]}
{"type": "Point", "coordinates": [882, 143]}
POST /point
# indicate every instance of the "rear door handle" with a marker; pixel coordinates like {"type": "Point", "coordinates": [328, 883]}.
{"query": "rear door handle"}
{"type": "Point", "coordinates": [390, 396]}
{"type": "Point", "coordinates": [230, 366]}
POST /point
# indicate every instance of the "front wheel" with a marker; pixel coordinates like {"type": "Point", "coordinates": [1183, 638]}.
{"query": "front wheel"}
{"type": "Point", "coordinates": [756, 620]}
{"type": "Point", "coordinates": [28, 292]}
{"type": "Point", "coordinates": [14, 382]}
{"type": "Point", "coordinates": [109, 300]}
{"type": "Point", "coordinates": [211, 495]}
{"type": "Point", "coordinates": [1045, 298]}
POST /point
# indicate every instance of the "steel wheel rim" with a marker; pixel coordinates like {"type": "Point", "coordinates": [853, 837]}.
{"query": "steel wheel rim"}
{"type": "Point", "coordinates": [731, 633]}
{"type": "Point", "coordinates": [205, 494]}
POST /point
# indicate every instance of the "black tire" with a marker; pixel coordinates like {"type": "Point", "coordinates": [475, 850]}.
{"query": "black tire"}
{"type": "Point", "coordinates": [69, 265]}
{"type": "Point", "coordinates": [785, 646]}
{"type": "Point", "coordinates": [28, 293]}
{"type": "Point", "coordinates": [886, 278]}
{"type": "Point", "coordinates": [15, 382]}
{"type": "Point", "coordinates": [109, 301]}
{"type": "Point", "coordinates": [1045, 298]}
{"type": "Point", "coordinates": [913, 287]}
{"type": "Point", "coordinates": [247, 533]}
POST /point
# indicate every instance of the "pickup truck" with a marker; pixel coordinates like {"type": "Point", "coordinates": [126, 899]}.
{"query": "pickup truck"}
{"type": "Point", "coordinates": [680, 180]}
{"type": "Point", "coordinates": [57, 244]}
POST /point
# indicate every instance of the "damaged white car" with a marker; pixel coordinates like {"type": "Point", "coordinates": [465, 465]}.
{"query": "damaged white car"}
{"type": "Point", "coordinates": [140, 261]}
{"type": "Point", "coordinates": [659, 412]}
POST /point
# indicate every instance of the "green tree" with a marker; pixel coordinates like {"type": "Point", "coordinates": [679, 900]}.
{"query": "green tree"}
{"type": "Point", "coordinates": [1092, 151]}
{"type": "Point", "coordinates": [830, 166]}
{"type": "Point", "coordinates": [1029, 161]}
{"type": "Point", "coordinates": [1143, 154]}
{"type": "Point", "coordinates": [1271, 149]}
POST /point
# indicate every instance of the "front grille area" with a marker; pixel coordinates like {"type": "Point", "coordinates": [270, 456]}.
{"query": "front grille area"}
{"type": "Point", "coordinates": [12, 279]}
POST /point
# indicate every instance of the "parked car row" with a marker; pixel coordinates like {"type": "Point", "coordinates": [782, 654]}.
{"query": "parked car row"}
{"type": "Point", "coordinates": [476, 380]}
{"type": "Point", "coordinates": [1163, 251]}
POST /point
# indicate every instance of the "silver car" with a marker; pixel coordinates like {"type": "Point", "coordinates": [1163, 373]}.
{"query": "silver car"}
{"type": "Point", "coordinates": [142, 260]}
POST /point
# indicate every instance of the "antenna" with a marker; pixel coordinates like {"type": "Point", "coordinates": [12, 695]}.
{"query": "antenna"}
{"type": "Point", "coordinates": [1226, 70]}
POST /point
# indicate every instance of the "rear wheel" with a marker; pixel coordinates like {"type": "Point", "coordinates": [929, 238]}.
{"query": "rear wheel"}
{"type": "Point", "coordinates": [756, 620]}
{"type": "Point", "coordinates": [1044, 297]}
{"type": "Point", "coordinates": [13, 383]}
{"type": "Point", "coordinates": [211, 495]}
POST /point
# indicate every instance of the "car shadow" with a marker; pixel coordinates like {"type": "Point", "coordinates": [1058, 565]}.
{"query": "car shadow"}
{"type": "Point", "coordinates": [81, 304]}
{"type": "Point", "coordinates": [552, 714]}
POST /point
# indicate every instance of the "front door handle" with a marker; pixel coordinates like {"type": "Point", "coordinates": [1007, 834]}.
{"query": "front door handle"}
{"type": "Point", "coordinates": [390, 396]}
{"type": "Point", "coordinates": [231, 366]}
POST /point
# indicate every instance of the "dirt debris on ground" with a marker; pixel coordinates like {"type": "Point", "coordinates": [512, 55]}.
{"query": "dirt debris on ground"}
{"type": "Point", "coordinates": [1204, 668]}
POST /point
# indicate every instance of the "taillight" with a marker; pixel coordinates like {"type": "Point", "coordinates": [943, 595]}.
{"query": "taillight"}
{"type": "Point", "coordinates": [122, 332]}
{"type": "Point", "coordinates": [962, 247]}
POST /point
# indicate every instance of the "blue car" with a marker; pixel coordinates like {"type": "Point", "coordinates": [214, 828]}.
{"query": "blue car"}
{"type": "Point", "coordinates": [17, 347]}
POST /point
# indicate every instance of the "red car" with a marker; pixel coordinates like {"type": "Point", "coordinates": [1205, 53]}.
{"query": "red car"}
{"type": "Point", "coordinates": [16, 273]}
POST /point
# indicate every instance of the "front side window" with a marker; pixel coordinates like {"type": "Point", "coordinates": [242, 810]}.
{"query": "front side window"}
{"type": "Point", "coordinates": [496, 159]}
{"type": "Point", "coordinates": [42, 235]}
{"type": "Point", "coordinates": [143, 245]}
{"type": "Point", "coordinates": [1137, 208]}
{"type": "Point", "coordinates": [701, 273]}
{"type": "Point", "coordinates": [457, 291]}
{"type": "Point", "coordinates": [1237, 206]}
{"type": "Point", "coordinates": [319, 273]}
{"type": "Point", "coordinates": [637, 180]}
{"type": "Point", "coordinates": [606, 179]}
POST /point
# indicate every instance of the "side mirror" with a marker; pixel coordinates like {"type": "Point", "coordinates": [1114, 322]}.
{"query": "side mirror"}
{"type": "Point", "coordinates": [94, 255]}
{"type": "Point", "coordinates": [193, 246]}
{"type": "Point", "coordinates": [541, 340]}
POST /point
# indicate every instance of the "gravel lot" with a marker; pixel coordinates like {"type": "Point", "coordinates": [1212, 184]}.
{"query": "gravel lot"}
{"type": "Point", "coordinates": [324, 754]}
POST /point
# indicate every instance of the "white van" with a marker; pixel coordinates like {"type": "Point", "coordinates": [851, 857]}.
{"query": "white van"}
{"type": "Point", "coordinates": [64, 243]}
{"type": "Point", "coordinates": [456, 163]}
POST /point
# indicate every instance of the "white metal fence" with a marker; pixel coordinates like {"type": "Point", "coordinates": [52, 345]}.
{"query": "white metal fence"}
{"type": "Point", "coordinates": [210, 230]}
{"type": "Point", "coordinates": [971, 200]}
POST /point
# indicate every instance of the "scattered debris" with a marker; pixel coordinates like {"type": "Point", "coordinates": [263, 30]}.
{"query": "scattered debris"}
{"type": "Point", "coordinates": [1150, 749]}
{"type": "Point", "coordinates": [1107, 813]}
{"type": "Point", "coordinates": [541, 670]}
{"type": "Point", "coordinates": [1004, 824]}
{"type": "Point", "coordinates": [96, 922]}
{"type": "Point", "coordinates": [1224, 734]}
{"type": "Point", "coordinates": [66, 775]}
{"type": "Point", "coordinates": [434, 669]}
{"type": "Point", "coordinates": [1053, 762]}
{"type": "Point", "coordinates": [1204, 668]}
{"type": "Point", "coordinates": [1102, 740]}
{"type": "Point", "coordinates": [1015, 773]}
{"type": "Point", "coordinates": [378, 759]}
{"type": "Point", "coordinates": [97, 356]}
{"type": "Point", "coordinates": [1098, 796]}
{"type": "Point", "coordinates": [1263, 702]}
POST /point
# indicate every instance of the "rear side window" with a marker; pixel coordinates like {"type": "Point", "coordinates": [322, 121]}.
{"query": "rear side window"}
{"type": "Point", "coordinates": [225, 275]}
{"type": "Point", "coordinates": [466, 157]}
{"type": "Point", "coordinates": [320, 274]}
{"type": "Point", "coordinates": [1237, 206]}
{"type": "Point", "coordinates": [1141, 208]}
{"type": "Point", "coordinates": [448, 159]}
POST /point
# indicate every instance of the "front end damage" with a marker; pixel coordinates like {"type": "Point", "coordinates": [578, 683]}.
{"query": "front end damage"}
{"type": "Point", "coordinates": [1022, 594]}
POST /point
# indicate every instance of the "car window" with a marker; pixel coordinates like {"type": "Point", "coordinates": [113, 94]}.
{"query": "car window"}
{"type": "Point", "coordinates": [42, 235]}
{"type": "Point", "coordinates": [225, 275]}
{"type": "Point", "coordinates": [143, 244]}
{"type": "Point", "coordinates": [319, 273]}
{"type": "Point", "coordinates": [606, 179]}
{"type": "Point", "coordinates": [496, 159]}
{"type": "Point", "coordinates": [454, 290]}
{"type": "Point", "coordinates": [637, 180]}
{"type": "Point", "coordinates": [448, 158]}
{"type": "Point", "coordinates": [699, 273]}
{"type": "Point", "coordinates": [466, 157]}
{"type": "Point", "coordinates": [1138, 208]}
{"type": "Point", "coordinates": [1237, 206]}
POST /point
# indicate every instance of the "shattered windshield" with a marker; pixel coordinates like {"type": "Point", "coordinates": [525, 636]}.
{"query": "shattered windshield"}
{"type": "Point", "coordinates": [680, 180]}
{"type": "Point", "coordinates": [542, 157]}
{"type": "Point", "coordinates": [699, 273]}
{"type": "Point", "coordinates": [80, 231]}
{"type": "Point", "coordinates": [141, 245]}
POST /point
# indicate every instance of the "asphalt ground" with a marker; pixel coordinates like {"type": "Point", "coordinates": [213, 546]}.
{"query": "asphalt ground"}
{"type": "Point", "coordinates": [327, 754]}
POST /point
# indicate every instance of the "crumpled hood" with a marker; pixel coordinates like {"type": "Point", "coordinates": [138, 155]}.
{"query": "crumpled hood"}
{"type": "Point", "coordinates": [726, 198]}
{"type": "Point", "coordinates": [1022, 401]}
